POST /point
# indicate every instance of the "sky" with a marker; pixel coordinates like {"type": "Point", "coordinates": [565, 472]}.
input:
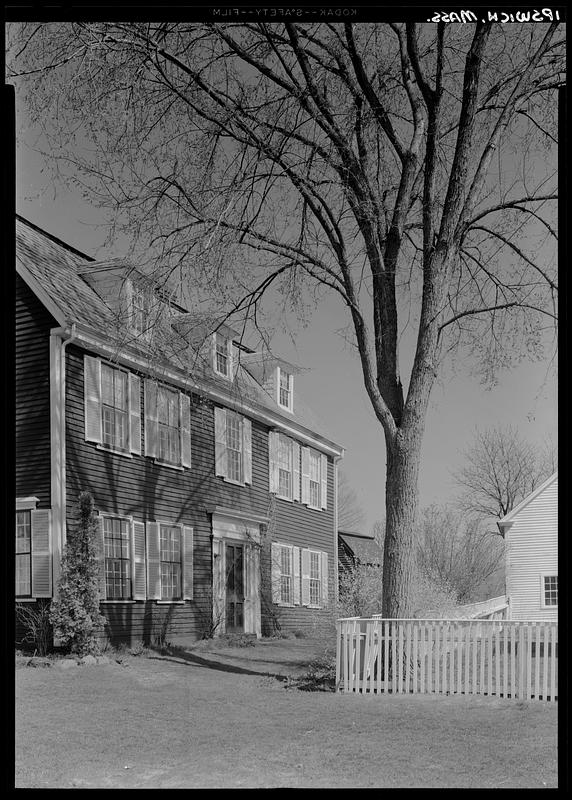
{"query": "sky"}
{"type": "Point", "coordinates": [525, 397]}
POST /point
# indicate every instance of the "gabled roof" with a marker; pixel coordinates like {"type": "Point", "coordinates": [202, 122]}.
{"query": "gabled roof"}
{"type": "Point", "coordinates": [365, 549]}
{"type": "Point", "coordinates": [517, 509]}
{"type": "Point", "coordinates": [65, 280]}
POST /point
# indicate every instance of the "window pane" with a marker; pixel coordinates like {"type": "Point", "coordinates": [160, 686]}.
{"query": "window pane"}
{"type": "Point", "coordinates": [23, 531]}
{"type": "Point", "coordinates": [23, 576]}
{"type": "Point", "coordinates": [551, 590]}
{"type": "Point", "coordinates": [116, 546]}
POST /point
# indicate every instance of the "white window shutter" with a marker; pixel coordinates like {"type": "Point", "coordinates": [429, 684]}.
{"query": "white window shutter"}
{"type": "Point", "coordinates": [295, 471]}
{"type": "Point", "coordinates": [187, 562]}
{"type": "Point", "coordinates": [101, 559]}
{"type": "Point", "coordinates": [324, 478]}
{"type": "Point", "coordinates": [139, 565]}
{"type": "Point", "coordinates": [305, 475]}
{"type": "Point", "coordinates": [247, 450]}
{"type": "Point", "coordinates": [185, 416]}
{"type": "Point", "coordinates": [324, 568]}
{"type": "Point", "coordinates": [135, 414]}
{"type": "Point", "coordinates": [276, 554]}
{"type": "Point", "coordinates": [153, 561]}
{"type": "Point", "coordinates": [296, 573]}
{"type": "Point", "coordinates": [92, 398]}
{"type": "Point", "coordinates": [41, 553]}
{"type": "Point", "coordinates": [220, 441]}
{"type": "Point", "coordinates": [151, 423]}
{"type": "Point", "coordinates": [233, 360]}
{"type": "Point", "coordinates": [305, 577]}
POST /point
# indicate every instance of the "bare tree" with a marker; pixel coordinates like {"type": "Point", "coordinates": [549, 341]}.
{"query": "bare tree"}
{"type": "Point", "coordinates": [501, 468]}
{"type": "Point", "coordinates": [351, 516]}
{"type": "Point", "coordinates": [409, 169]}
{"type": "Point", "coordinates": [455, 553]}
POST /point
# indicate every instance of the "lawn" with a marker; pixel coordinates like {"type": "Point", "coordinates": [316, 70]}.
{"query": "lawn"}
{"type": "Point", "coordinates": [226, 718]}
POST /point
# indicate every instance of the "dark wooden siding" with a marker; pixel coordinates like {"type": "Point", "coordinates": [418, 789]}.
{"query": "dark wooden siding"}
{"type": "Point", "coordinates": [32, 363]}
{"type": "Point", "coordinates": [138, 487]}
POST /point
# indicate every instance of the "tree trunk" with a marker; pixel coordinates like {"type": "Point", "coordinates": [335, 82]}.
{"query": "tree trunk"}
{"type": "Point", "coordinates": [401, 499]}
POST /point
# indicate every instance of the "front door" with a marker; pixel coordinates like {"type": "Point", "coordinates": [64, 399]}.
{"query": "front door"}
{"type": "Point", "coordinates": [234, 563]}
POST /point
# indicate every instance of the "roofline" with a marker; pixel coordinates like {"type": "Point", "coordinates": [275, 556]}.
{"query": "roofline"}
{"type": "Point", "coordinates": [55, 239]}
{"type": "Point", "coordinates": [507, 520]}
{"type": "Point", "coordinates": [36, 287]}
{"type": "Point", "coordinates": [365, 536]}
{"type": "Point", "coordinates": [91, 340]}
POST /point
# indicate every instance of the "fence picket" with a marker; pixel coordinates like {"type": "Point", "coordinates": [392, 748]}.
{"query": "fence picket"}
{"type": "Point", "coordinates": [552, 656]}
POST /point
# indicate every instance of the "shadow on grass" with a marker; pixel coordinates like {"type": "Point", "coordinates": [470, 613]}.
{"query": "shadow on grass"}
{"type": "Point", "coordinates": [206, 663]}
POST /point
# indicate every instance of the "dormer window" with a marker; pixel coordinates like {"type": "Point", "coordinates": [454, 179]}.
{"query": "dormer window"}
{"type": "Point", "coordinates": [222, 355]}
{"type": "Point", "coordinates": [285, 387]}
{"type": "Point", "coordinates": [139, 310]}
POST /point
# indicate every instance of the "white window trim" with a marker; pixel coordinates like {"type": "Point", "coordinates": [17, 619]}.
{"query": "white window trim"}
{"type": "Point", "coordinates": [543, 603]}
{"type": "Point", "coordinates": [319, 554]}
{"type": "Point", "coordinates": [289, 499]}
{"type": "Point", "coordinates": [129, 519]}
{"type": "Point", "coordinates": [27, 503]}
{"type": "Point", "coordinates": [180, 526]}
{"type": "Point", "coordinates": [228, 341]}
{"type": "Point", "coordinates": [105, 449]}
{"type": "Point", "coordinates": [290, 406]}
{"type": "Point", "coordinates": [281, 602]}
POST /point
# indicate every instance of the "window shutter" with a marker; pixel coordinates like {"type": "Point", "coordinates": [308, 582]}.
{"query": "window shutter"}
{"type": "Point", "coordinates": [233, 360]}
{"type": "Point", "coordinates": [151, 423]}
{"type": "Point", "coordinates": [305, 475]}
{"type": "Point", "coordinates": [187, 563]}
{"type": "Point", "coordinates": [305, 577]}
{"type": "Point", "coordinates": [324, 478]}
{"type": "Point", "coordinates": [218, 569]}
{"type": "Point", "coordinates": [139, 566]}
{"type": "Point", "coordinates": [295, 471]}
{"type": "Point", "coordinates": [41, 553]}
{"type": "Point", "coordinates": [247, 450]}
{"type": "Point", "coordinates": [135, 414]}
{"type": "Point", "coordinates": [220, 441]}
{"type": "Point", "coordinates": [291, 390]}
{"type": "Point", "coordinates": [275, 570]}
{"type": "Point", "coordinates": [92, 398]}
{"type": "Point", "coordinates": [153, 561]}
{"type": "Point", "coordinates": [185, 412]}
{"type": "Point", "coordinates": [273, 444]}
{"type": "Point", "coordinates": [296, 572]}
{"type": "Point", "coordinates": [324, 579]}
{"type": "Point", "coordinates": [101, 560]}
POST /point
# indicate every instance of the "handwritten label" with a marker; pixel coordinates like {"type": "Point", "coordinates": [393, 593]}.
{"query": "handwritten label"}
{"type": "Point", "coordinates": [466, 15]}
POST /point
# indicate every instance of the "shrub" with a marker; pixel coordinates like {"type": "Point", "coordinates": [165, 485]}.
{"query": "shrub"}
{"type": "Point", "coordinates": [320, 676]}
{"type": "Point", "coordinates": [75, 612]}
{"type": "Point", "coordinates": [35, 620]}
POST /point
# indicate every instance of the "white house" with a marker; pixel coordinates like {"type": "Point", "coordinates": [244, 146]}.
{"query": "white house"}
{"type": "Point", "coordinates": [531, 536]}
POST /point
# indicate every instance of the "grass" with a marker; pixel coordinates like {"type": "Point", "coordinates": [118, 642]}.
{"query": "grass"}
{"type": "Point", "coordinates": [222, 717]}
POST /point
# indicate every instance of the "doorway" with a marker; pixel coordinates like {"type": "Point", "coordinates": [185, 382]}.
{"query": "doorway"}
{"type": "Point", "coordinates": [234, 561]}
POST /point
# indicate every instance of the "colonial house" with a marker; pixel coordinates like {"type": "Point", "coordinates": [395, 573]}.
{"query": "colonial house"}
{"type": "Point", "coordinates": [357, 549]}
{"type": "Point", "coordinates": [214, 485]}
{"type": "Point", "coordinates": [531, 546]}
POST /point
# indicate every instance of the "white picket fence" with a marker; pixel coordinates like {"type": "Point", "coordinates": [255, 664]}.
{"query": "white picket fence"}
{"type": "Point", "coordinates": [504, 658]}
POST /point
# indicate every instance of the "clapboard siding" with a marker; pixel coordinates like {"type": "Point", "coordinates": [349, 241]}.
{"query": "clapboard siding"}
{"type": "Point", "coordinates": [32, 365]}
{"type": "Point", "coordinates": [531, 551]}
{"type": "Point", "coordinates": [136, 486]}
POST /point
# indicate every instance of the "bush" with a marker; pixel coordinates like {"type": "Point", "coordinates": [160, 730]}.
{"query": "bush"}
{"type": "Point", "coordinates": [320, 677]}
{"type": "Point", "coordinates": [75, 612]}
{"type": "Point", "coordinates": [35, 619]}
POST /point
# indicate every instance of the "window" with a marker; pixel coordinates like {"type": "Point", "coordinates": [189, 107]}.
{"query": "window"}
{"type": "Point", "coordinates": [168, 425]}
{"type": "Point", "coordinates": [314, 461]}
{"type": "Point", "coordinates": [315, 578]}
{"type": "Point", "coordinates": [284, 464]}
{"type": "Point", "coordinates": [33, 551]}
{"type": "Point", "coordinates": [233, 446]}
{"type": "Point", "coordinates": [222, 355]}
{"type": "Point", "coordinates": [285, 382]}
{"type": "Point", "coordinates": [550, 590]}
{"type": "Point", "coordinates": [116, 544]}
{"type": "Point", "coordinates": [285, 574]}
{"type": "Point", "coordinates": [23, 553]}
{"type": "Point", "coordinates": [170, 544]}
{"type": "Point", "coordinates": [314, 479]}
{"type": "Point", "coordinates": [114, 407]}
{"type": "Point", "coordinates": [284, 467]}
{"type": "Point", "coordinates": [139, 315]}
